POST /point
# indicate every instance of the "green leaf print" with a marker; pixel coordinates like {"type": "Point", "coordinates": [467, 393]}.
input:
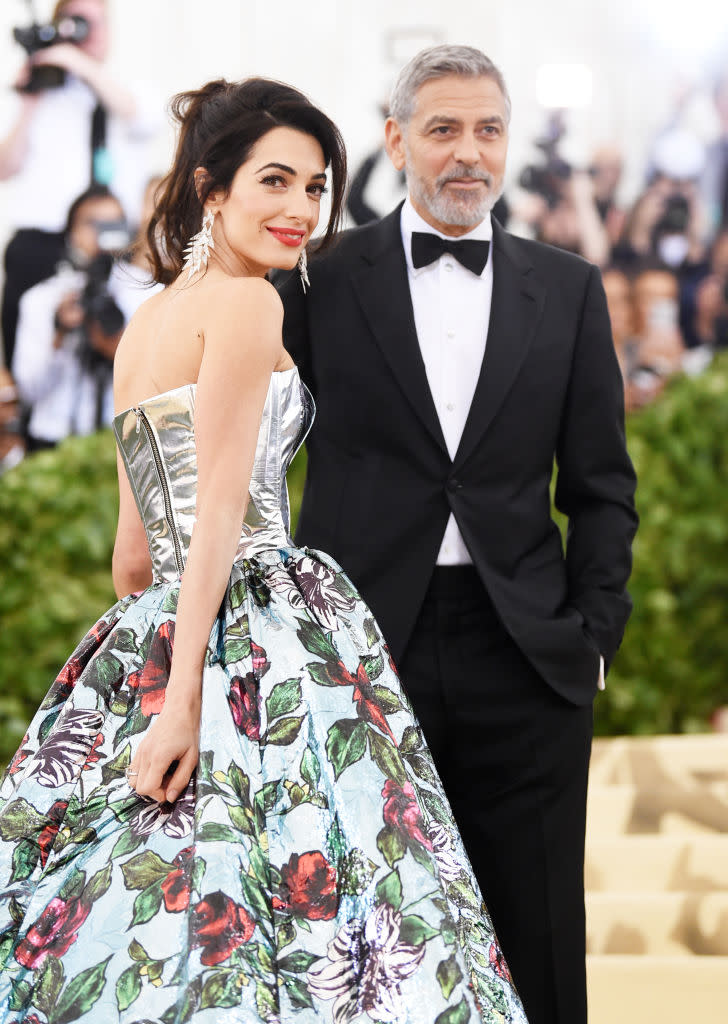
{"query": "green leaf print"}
{"type": "Point", "coordinates": [25, 857]}
{"type": "Point", "coordinates": [389, 890]}
{"type": "Point", "coordinates": [422, 766]}
{"type": "Point", "coordinates": [386, 757]}
{"type": "Point", "coordinates": [97, 885]}
{"type": "Point", "coordinates": [128, 987]}
{"type": "Point", "coordinates": [113, 770]}
{"type": "Point", "coordinates": [136, 722]}
{"type": "Point", "coordinates": [284, 731]}
{"type": "Point", "coordinates": [463, 895]}
{"type": "Point", "coordinates": [126, 843]}
{"type": "Point", "coordinates": [265, 1001]}
{"type": "Point", "coordinates": [211, 832]}
{"type": "Point", "coordinates": [373, 666]}
{"type": "Point", "coordinates": [370, 631]}
{"type": "Point", "coordinates": [414, 930]}
{"type": "Point", "coordinates": [448, 975]}
{"type": "Point", "coordinates": [236, 648]}
{"type": "Point", "coordinates": [315, 641]}
{"type": "Point", "coordinates": [411, 740]}
{"type": "Point", "coordinates": [459, 1014]}
{"type": "Point", "coordinates": [346, 743]}
{"type": "Point", "coordinates": [284, 698]}
{"type": "Point", "coordinates": [240, 783]}
{"type": "Point", "coordinates": [73, 886]}
{"type": "Point", "coordinates": [310, 768]}
{"type": "Point", "coordinates": [238, 593]}
{"type": "Point", "coordinates": [392, 845]}
{"type": "Point", "coordinates": [18, 819]}
{"type": "Point", "coordinates": [49, 984]}
{"type": "Point", "coordinates": [222, 988]}
{"type": "Point", "coordinates": [297, 962]}
{"type": "Point", "coordinates": [285, 934]}
{"type": "Point", "coordinates": [297, 992]}
{"type": "Point", "coordinates": [147, 904]}
{"type": "Point", "coordinates": [137, 951]}
{"type": "Point", "coordinates": [144, 870]}
{"type": "Point", "coordinates": [19, 995]}
{"type": "Point", "coordinates": [388, 699]}
{"type": "Point", "coordinates": [355, 872]}
{"type": "Point", "coordinates": [80, 994]}
{"type": "Point", "coordinates": [105, 670]}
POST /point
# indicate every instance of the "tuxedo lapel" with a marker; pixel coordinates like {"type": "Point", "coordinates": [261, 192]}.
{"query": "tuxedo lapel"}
{"type": "Point", "coordinates": [382, 288]}
{"type": "Point", "coordinates": [516, 307]}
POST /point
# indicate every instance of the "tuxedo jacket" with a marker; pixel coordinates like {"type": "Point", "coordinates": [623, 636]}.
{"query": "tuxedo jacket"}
{"type": "Point", "coordinates": [381, 485]}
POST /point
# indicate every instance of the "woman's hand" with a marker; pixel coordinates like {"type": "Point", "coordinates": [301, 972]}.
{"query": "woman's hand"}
{"type": "Point", "coordinates": [168, 754]}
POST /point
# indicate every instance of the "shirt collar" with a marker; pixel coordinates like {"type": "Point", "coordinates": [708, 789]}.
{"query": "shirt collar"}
{"type": "Point", "coordinates": [410, 221]}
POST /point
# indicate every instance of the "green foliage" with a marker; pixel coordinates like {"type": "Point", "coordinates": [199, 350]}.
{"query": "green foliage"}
{"type": "Point", "coordinates": [672, 670]}
{"type": "Point", "coordinates": [58, 516]}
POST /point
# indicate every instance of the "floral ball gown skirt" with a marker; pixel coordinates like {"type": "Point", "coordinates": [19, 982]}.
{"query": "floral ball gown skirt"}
{"type": "Point", "coordinates": [312, 870]}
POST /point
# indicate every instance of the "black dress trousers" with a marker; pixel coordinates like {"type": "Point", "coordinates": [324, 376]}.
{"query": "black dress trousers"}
{"type": "Point", "coordinates": [513, 757]}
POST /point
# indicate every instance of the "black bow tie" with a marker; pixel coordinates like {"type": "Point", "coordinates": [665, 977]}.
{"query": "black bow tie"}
{"type": "Point", "coordinates": [426, 248]}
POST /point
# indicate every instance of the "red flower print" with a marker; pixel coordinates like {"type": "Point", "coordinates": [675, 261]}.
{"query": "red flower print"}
{"type": "Point", "coordinates": [308, 887]}
{"type": "Point", "coordinates": [151, 681]}
{"type": "Point", "coordinates": [219, 925]}
{"type": "Point", "coordinates": [53, 933]}
{"type": "Point", "coordinates": [498, 963]}
{"type": "Point", "coordinates": [260, 660]}
{"type": "Point", "coordinates": [176, 886]}
{"type": "Point", "coordinates": [243, 701]}
{"type": "Point", "coordinates": [93, 757]}
{"type": "Point", "coordinates": [402, 812]}
{"type": "Point", "coordinates": [367, 705]}
{"type": "Point", "coordinates": [48, 834]}
{"type": "Point", "coordinates": [20, 756]}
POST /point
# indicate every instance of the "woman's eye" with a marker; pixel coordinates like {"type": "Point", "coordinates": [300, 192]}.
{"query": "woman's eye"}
{"type": "Point", "coordinates": [273, 179]}
{"type": "Point", "coordinates": [317, 190]}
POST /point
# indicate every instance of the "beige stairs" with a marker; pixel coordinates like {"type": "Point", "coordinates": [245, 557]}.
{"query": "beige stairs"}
{"type": "Point", "coordinates": [657, 881]}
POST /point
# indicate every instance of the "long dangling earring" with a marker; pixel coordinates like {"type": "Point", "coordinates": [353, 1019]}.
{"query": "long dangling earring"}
{"type": "Point", "coordinates": [303, 270]}
{"type": "Point", "coordinates": [197, 252]}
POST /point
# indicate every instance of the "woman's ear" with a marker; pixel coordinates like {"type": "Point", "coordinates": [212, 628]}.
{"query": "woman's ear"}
{"type": "Point", "coordinates": [200, 177]}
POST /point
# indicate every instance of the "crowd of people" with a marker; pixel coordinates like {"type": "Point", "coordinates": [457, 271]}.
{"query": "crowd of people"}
{"type": "Point", "coordinates": [78, 246]}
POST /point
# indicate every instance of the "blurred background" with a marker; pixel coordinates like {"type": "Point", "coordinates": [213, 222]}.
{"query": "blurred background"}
{"type": "Point", "coordinates": [618, 151]}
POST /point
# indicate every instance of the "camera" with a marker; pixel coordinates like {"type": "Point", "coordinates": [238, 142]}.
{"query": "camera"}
{"type": "Point", "coordinates": [548, 178]}
{"type": "Point", "coordinates": [37, 36]}
{"type": "Point", "coordinates": [100, 310]}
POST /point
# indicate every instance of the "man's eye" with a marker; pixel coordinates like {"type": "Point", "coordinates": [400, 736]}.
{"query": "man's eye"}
{"type": "Point", "coordinates": [443, 129]}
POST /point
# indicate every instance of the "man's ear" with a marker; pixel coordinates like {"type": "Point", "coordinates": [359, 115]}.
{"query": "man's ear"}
{"type": "Point", "coordinates": [394, 143]}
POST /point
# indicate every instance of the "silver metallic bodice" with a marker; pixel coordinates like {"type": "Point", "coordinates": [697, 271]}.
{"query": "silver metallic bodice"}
{"type": "Point", "coordinates": [157, 443]}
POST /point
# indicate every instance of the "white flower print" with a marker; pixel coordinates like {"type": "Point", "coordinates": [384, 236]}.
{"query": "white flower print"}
{"type": "Point", "coordinates": [63, 754]}
{"type": "Point", "coordinates": [442, 847]}
{"type": "Point", "coordinates": [365, 965]}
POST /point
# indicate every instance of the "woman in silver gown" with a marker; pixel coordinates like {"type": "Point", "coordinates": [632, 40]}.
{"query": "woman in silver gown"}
{"type": "Point", "coordinates": [224, 810]}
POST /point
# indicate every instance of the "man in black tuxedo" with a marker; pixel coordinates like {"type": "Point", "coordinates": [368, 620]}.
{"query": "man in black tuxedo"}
{"type": "Point", "coordinates": [451, 364]}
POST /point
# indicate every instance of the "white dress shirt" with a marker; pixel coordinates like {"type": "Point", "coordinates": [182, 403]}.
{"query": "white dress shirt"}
{"type": "Point", "coordinates": [452, 312]}
{"type": "Point", "coordinates": [57, 166]}
{"type": "Point", "coordinates": [62, 396]}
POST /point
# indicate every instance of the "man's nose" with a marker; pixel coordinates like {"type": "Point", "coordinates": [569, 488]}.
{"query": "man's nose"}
{"type": "Point", "coordinates": [467, 150]}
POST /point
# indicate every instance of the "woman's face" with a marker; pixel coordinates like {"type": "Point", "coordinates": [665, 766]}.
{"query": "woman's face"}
{"type": "Point", "coordinates": [273, 205]}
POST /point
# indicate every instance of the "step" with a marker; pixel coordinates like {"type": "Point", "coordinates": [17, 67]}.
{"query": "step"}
{"type": "Point", "coordinates": [664, 863]}
{"type": "Point", "coordinates": [689, 809]}
{"type": "Point", "coordinates": [657, 990]}
{"type": "Point", "coordinates": [657, 761]}
{"type": "Point", "coordinates": [659, 924]}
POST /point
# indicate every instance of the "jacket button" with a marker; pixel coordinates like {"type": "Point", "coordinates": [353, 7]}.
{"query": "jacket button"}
{"type": "Point", "coordinates": [453, 485]}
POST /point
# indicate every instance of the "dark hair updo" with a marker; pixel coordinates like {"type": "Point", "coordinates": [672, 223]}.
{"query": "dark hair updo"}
{"type": "Point", "coordinates": [219, 126]}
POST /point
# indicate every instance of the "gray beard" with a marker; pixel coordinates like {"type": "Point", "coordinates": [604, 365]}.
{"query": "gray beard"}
{"type": "Point", "coordinates": [463, 211]}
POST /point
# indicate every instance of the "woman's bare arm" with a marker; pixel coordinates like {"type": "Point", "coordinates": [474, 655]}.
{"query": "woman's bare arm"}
{"type": "Point", "coordinates": [242, 348]}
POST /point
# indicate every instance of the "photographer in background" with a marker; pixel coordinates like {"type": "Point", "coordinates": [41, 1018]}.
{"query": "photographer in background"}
{"type": "Point", "coordinates": [69, 326]}
{"type": "Point", "coordinates": [562, 205]}
{"type": "Point", "coordinates": [75, 125]}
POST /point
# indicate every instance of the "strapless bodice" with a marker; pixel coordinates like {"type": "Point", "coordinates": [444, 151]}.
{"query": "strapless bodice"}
{"type": "Point", "coordinates": [157, 443]}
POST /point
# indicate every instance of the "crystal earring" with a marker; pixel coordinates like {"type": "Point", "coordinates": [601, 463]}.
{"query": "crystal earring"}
{"type": "Point", "coordinates": [303, 270]}
{"type": "Point", "coordinates": [197, 252]}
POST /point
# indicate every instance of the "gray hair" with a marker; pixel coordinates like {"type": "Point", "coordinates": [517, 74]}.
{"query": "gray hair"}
{"type": "Point", "coordinates": [436, 62]}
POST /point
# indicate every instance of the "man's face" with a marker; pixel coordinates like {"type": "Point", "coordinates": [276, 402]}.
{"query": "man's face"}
{"type": "Point", "coordinates": [453, 151]}
{"type": "Point", "coordinates": [96, 43]}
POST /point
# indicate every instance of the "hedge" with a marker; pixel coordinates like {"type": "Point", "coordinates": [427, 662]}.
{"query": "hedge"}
{"type": "Point", "coordinates": [58, 514]}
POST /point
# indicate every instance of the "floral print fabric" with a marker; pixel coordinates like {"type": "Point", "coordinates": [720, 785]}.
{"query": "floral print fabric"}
{"type": "Point", "coordinates": [312, 871]}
